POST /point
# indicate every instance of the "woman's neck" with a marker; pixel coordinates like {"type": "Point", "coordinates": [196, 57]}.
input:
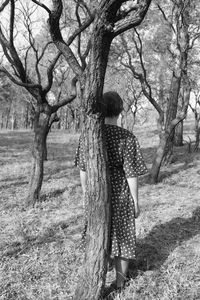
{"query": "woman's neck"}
{"type": "Point", "coordinates": [111, 121]}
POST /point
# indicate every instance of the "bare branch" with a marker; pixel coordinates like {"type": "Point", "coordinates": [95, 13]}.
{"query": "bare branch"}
{"type": "Point", "coordinates": [50, 73]}
{"type": "Point", "coordinates": [166, 19]}
{"type": "Point", "coordinates": [85, 25]}
{"type": "Point", "coordinates": [12, 20]}
{"type": "Point", "coordinates": [71, 97]}
{"type": "Point", "coordinates": [58, 39]}
{"type": "Point", "coordinates": [12, 78]}
{"type": "Point", "coordinates": [124, 13]}
{"type": "Point", "coordinates": [196, 37]}
{"type": "Point", "coordinates": [42, 5]}
{"type": "Point", "coordinates": [133, 20]}
{"type": "Point", "coordinates": [146, 88]}
{"type": "Point", "coordinates": [82, 2]}
{"type": "Point", "coordinates": [4, 5]}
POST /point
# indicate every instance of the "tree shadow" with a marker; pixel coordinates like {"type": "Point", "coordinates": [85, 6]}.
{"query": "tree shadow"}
{"type": "Point", "coordinates": [154, 249]}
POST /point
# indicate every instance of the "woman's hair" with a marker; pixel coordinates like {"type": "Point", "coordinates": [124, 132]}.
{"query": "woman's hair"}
{"type": "Point", "coordinates": [111, 104]}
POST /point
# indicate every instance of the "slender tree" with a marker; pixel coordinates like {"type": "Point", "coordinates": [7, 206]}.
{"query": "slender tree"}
{"type": "Point", "coordinates": [178, 43]}
{"type": "Point", "coordinates": [19, 71]}
{"type": "Point", "coordinates": [195, 107]}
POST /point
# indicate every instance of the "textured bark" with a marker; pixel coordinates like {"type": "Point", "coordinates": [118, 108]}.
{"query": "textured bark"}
{"type": "Point", "coordinates": [158, 158]}
{"type": "Point", "coordinates": [197, 132]}
{"type": "Point", "coordinates": [38, 152]}
{"type": "Point", "coordinates": [178, 136]}
{"type": "Point", "coordinates": [93, 274]}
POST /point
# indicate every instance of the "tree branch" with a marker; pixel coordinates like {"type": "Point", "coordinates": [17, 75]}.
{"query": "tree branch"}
{"type": "Point", "coordinates": [166, 19]}
{"type": "Point", "coordinates": [50, 73]}
{"type": "Point", "coordinates": [71, 97]}
{"type": "Point", "coordinates": [4, 5]}
{"type": "Point", "coordinates": [12, 78]}
{"type": "Point", "coordinates": [124, 13]}
{"type": "Point", "coordinates": [133, 20]}
{"type": "Point", "coordinates": [58, 39]}
{"type": "Point", "coordinates": [12, 19]}
{"type": "Point", "coordinates": [42, 5]}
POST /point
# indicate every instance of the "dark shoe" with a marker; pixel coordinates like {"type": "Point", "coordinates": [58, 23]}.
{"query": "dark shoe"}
{"type": "Point", "coordinates": [111, 290]}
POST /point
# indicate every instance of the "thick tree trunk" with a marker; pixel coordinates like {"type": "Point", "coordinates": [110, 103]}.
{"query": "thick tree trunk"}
{"type": "Point", "coordinates": [38, 152]}
{"type": "Point", "coordinates": [93, 274]}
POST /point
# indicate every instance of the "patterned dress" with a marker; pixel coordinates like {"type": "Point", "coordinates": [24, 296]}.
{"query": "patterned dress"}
{"type": "Point", "coordinates": [125, 161]}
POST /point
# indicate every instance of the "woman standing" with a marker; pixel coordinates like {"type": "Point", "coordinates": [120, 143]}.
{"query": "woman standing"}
{"type": "Point", "coordinates": [125, 164]}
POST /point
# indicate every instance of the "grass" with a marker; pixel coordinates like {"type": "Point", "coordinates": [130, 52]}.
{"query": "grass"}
{"type": "Point", "coordinates": [39, 257]}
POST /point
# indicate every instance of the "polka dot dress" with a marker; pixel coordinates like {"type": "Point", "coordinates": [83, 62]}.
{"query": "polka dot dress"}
{"type": "Point", "coordinates": [125, 161]}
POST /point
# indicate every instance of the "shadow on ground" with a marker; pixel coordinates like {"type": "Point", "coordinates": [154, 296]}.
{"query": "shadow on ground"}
{"type": "Point", "coordinates": [154, 249]}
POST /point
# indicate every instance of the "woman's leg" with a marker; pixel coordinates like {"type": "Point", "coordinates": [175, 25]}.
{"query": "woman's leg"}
{"type": "Point", "coordinates": [121, 265]}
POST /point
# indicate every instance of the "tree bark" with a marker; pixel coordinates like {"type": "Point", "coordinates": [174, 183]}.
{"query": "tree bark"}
{"type": "Point", "coordinates": [37, 168]}
{"type": "Point", "coordinates": [166, 130]}
{"type": "Point", "coordinates": [93, 274]}
{"type": "Point", "coordinates": [158, 158]}
{"type": "Point", "coordinates": [178, 136]}
{"type": "Point", "coordinates": [197, 132]}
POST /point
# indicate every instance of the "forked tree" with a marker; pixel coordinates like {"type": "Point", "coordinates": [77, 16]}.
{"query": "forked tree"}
{"type": "Point", "coordinates": [28, 71]}
{"type": "Point", "coordinates": [108, 18]}
{"type": "Point", "coordinates": [181, 42]}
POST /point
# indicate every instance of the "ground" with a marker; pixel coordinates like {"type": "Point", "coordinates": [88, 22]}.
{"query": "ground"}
{"type": "Point", "coordinates": [39, 257]}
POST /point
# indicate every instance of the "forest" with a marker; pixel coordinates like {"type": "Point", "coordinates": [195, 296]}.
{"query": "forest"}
{"type": "Point", "coordinates": [57, 59]}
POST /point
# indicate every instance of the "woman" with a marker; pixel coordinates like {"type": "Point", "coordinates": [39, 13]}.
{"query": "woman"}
{"type": "Point", "coordinates": [125, 164]}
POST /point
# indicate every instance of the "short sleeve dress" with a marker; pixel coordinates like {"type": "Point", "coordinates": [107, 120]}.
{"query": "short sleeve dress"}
{"type": "Point", "coordinates": [125, 161]}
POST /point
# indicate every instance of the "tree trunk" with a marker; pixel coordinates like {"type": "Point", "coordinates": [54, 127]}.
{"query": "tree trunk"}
{"type": "Point", "coordinates": [7, 116]}
{"type": "Point", "coordinates": [197, 132]}
{"type": "Point", "coordinates": [93, 273]}
{"type": "Point", "coordinates": [178, 136]}
{"type": "Point", "coordinates": [13, 121]}
{"type": "Point", "coordinates": [38, 152]}
{"type": "Point", "coordinates": [172, 112]}
{"type": "Point", "coordinates": [25, 114]}
{"type": "Point", "coordinates": [158, 158]}
{"type": "Point", "coordinates": [1, 122]}
{"type": "Point", "coordinates": [164, 150]}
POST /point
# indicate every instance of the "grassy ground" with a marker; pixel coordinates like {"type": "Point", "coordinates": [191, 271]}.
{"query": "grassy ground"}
{"type": "Point", "coordinates": [39, 258]}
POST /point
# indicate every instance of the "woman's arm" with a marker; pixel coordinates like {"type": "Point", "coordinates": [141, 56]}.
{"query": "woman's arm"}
{"type": "Point", "coordinates": [133, 186]}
